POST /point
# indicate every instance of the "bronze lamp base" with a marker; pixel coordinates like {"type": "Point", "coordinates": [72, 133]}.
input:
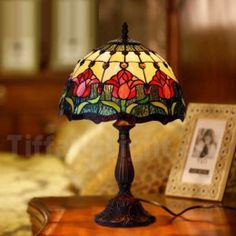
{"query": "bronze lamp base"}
{"type": "Point", "coordinates": [124, 211]}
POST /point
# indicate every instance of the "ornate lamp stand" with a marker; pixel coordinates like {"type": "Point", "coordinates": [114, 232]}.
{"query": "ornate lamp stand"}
{"type": "Point", "coordinates": [124, 210]}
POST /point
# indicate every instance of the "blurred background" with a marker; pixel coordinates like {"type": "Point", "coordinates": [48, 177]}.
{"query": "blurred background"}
{"type": "Point", "coordinates": [42, 40]}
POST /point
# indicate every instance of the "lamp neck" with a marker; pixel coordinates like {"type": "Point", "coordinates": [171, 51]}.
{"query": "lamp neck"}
{"type": "Point", "coordinates": [124, 172]}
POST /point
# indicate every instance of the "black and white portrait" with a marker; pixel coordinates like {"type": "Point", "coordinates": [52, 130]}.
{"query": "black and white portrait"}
{"type": "Point", "coordinates": [203, 151]}
{"type": "Point", "coordinates": [205, 144]}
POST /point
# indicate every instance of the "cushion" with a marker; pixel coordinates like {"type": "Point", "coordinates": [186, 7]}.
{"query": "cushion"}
{"type": "Point", "coordinates": [25, 178]}
{"type": "Point", "coordinates": [92, 157]}
{"type": "Point", "coordinates": [66, 134]}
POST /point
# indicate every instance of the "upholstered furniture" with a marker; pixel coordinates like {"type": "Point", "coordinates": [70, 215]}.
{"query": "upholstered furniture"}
{"type": "Point", "coordinates": [24, 178]}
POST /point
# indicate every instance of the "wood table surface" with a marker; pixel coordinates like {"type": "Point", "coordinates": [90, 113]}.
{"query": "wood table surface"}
{"type": "Point", "coordinates": [74, 216]}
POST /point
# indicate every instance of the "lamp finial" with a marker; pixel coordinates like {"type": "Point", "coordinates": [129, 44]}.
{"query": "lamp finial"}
{"type": "Point", "coordinates": [124, 32]}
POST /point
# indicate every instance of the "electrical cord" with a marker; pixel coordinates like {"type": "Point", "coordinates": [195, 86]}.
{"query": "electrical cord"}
{"type": "Point", "coordinates": [186, 209]}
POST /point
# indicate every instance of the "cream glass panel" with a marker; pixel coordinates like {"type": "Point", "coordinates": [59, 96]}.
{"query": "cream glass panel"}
{"type": "Point", "coordinates": [167, 71]}
{"type": "Point", "coordinates": [118, 56]}
{"type": "Point", "coordinates": [93, 56]}
{"type": "Point", "coordinates": [144, 57]}
{"type": "Point", "coordinates": [81, 68]}
{"type": "Point", "coordinates": [89, 54]}
{"type": "Point", "coordinates": [149, 71]}
{"type": "Point", "coordinates": [104, 57]}
{"type": "Point", "coordinates": [76, 68]}
{"type": "Point", "coordinates": [131, 56]}
{"type": "Point", "coordinates": [155, 57]}
{"type": "Point", "coordinates": [160, 58]}
{"type": "Point", "coordinates": [98, 70]}
{"type": "Point", "coordinates": [112, 70]}
{"type": "Point", "coordinates": [136, 70]}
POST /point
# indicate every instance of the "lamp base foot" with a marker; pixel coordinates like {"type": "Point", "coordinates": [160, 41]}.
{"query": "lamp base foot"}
{"type": "Point", "coordinates": [124, 211]}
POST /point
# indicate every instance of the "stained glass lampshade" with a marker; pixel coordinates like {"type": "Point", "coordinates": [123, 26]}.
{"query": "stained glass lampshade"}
{"type": "Point", "coordinates": [126, 82]}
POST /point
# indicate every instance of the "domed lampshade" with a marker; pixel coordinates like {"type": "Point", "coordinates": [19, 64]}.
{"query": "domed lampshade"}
{"type": "Point", "coordinates": [123, 80]}
{"type": "Point", "coordinates": [126, 82]}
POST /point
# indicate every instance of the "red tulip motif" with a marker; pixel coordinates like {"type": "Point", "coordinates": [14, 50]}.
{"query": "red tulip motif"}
{"type": "Point", "coordinates": [124, 84]}
{"type": "Point", "coordinates": [164, 84]}
{"type": "Point", "coordinates": [83, 83]}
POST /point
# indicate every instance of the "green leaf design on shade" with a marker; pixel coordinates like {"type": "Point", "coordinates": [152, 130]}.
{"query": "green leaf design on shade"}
{"type": "Point", "coordinates": [94, 100]}
{"type": "Point", "coordinates": [161, 105]}
{"type": "Point", "coordinates": [123, 105]}
{"type": "Point", "coordinates": [112, 104]}
{"type": "Point", "coordinates": [63, 95]}
{"type": "Point", "coordinates": [173, 107]}
{"type": "Point", "coordinates": [130, 107]}
{"type": "Point", "coordinates": [81, 106]}
{"type": "Point", "coordinates": [70, 101]}
{"type": "Point", "coordinates": [143, 101]}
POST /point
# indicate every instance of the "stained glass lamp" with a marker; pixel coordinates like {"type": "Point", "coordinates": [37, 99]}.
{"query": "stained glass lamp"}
{"type": "Point", "coordinates": [126, 82]}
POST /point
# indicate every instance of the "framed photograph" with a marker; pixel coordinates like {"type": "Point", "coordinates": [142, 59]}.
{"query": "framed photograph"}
{"type": "Point", "coordinates": [206, 152]}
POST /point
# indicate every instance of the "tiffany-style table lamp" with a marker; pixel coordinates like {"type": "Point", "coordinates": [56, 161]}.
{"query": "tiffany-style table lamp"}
{"type": "Point", "coordinates": [126, 82]}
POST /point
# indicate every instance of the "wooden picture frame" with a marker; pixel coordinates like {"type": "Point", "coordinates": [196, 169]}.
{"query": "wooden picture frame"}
{"type": "Point", "coordinates": [206, 152]}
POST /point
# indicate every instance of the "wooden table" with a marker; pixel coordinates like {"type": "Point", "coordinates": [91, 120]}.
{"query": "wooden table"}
{"type": "Point", "coordinates": [73, 216]}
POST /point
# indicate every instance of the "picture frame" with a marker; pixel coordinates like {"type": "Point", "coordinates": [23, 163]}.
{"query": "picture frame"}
{"type": "Point", "coordinates": [206, 152]}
